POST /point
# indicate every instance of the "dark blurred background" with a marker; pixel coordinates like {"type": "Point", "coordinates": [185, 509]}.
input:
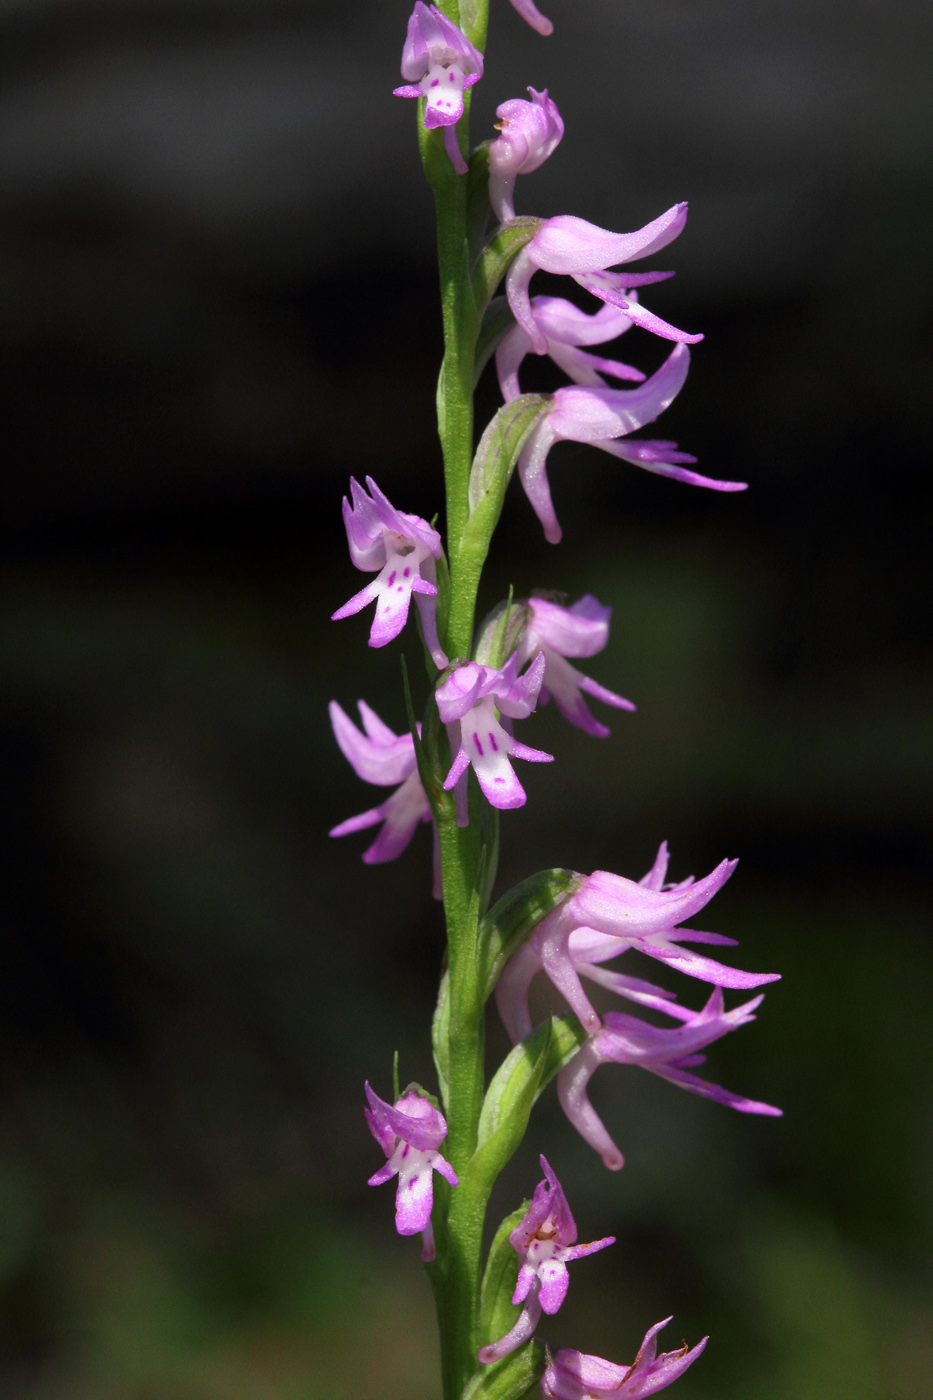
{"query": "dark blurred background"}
{"type": "Point", "coordinates": [216, 302]}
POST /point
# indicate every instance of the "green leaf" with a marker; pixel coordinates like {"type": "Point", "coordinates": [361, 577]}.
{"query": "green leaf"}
{"type": "Point", "coordinates": [516, 915]}
{"type": "Point", "coordinates": [500, 632]}
{"type": "Point", "coordinates": [515, 1087]}
{"type": "Point", "coordinates": [440, 1036]}
{"type": "Point", "coordinates": [512, 1378]}
{"type": "Point", "coordinates": [510, 1096]}
{"type": "Point", "coordinates": [497, 1312]}
{"type": "Point", "coordinates": [501, 250]}
{"type": "Point", "coordinates": [496, 455]}
{"type": "Point", "coordinates": [478, 207]}
{"type": "Point", "coordinates": [497, 320]}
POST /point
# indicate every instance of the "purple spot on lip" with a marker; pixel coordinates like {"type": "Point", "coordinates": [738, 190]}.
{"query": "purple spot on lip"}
{"type": "Point", "coordinates": [435, 83]}
{"type": "Point", "coordinates": [492, 740]}
{"type": "Point", "coordinates": [406, 573]}
{"type": "Point", "coordinates": [391, 578]}
{"type": "Point", "coordinates": [406, 1149]}
{"type": "Point", "coordinates": [499, 780]}
{"type": "Point", "coordinates": [478, 745]}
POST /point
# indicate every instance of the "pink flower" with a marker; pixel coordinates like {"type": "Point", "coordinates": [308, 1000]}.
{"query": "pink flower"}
{"type": "Point", "coordinates": [467, 701]}
{"type": "Point", "coordinates": [545, 1242]}
{"type": "Point", "coordinates": [600, 416]}
{"type": "Point", "coordinates": [403, 549]}
{"type": "Point", "coordinates": [565, 328]}
{"type": "Point", "coordinates": [573, 1375]}
{"type": "Point", "coordinates": [384, 758]}
{"type": "Point", "coordinates": [530, 132]}
{"type": "Point", "coordinates": [583, 251]}
{"type": "Point", "coordinates": [439, 63]}
{"type": "Point", "coordinates": [410, 1134]}
{"type": "Point", "coordinates": [668, 1051]}
{"type": "Point", "coordinates": [605, 916]}
{"type": "Point", "coordinates": [557, 632]}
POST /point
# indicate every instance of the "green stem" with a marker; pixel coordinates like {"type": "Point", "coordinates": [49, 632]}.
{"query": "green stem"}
{"type": "Point", "coordinates": [465, 856]}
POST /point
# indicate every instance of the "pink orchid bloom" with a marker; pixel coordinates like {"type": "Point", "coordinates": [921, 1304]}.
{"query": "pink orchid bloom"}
{"type": "Point", "coordinates": [574, 1375]}
{"type": "Point", "coordinates": [605, 916]}
{"type": "Point", "coordinates": [379, 756]}
{"type": "Point", "coordinates": [529, 133]}
{"type": "Point", "coordinates": [600, 416]}
{"type": "Point", "coordinates": [566, 328]}
{"type": "Point", "coordinates": [545, 1242]}
{"type": "Point", "coordinates": [439, 63]}
{"type": "Point", "coordinates": [403, 549]}
{"type": "Point", "coordinates": [468, 701]}
{"type": "Point", "coordinates": [583, 251]}
{"type": "Point", "coordinates": [669, 1051]}
{"type": "Point", "coordinates": [410, 1134]}
{"type": "Point", "coordinates": [557, 632]}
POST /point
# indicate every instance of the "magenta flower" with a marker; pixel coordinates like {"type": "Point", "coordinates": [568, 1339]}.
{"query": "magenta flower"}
{"type": "Point", "coordinates": [545, 1242]}
{"type": "Point", "coordinates": [668, 1051]}
{"type": "Point", "coordinates": [584, 251]}
{"type": "Point", "coordinates": [439, 63]}
{"type": "Point", "coordinates": [573, 1375]}
{"type": "Point", "coordinates": [605, 916]}
{"type": "Point", "coordinates": [381, 757]}
{"type": "Point", "coordinates": [530, 132]}
{"type": "Point", "coordinates": [599, 416]}
{"type": "Point", "coordinates": [468, 701]}
{"type": "Point", "coordinates": [565, 328]}
{"type": "Point", "coordinates": [556, 632]}
{"type": "Point", "coordinates": [403, 548]}
{"type": "Point", "coordinates": [533, 15]}
{"type": "Point", "coordinates": [410, 1134]}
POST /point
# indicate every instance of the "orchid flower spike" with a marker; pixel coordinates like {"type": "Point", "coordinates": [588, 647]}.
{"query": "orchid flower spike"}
{"type": "Point", "coordinates": [569, 245]}
{"type": "Point", "coordinates": [557, 632]}
{"type": "Point", "coordinates": [545, 1242]}
{"type": "Point", "coordinates": [565, 328]}
{"type": "Point", "coordinates": [468, 701]}
{"type": "Point", "coordinates": [379, 756]}
{"type": "Point", "coordinates": [410, 1134]}
{"type": "Point", "coordinates": [669, 1052]}
{"type": "Point", "coordinates": [529, 133]}
{"type": "Point", "coordinates": [533, 15]}
{"type": "Point", "coordinates": [403, 548]}
{"type": "Point", "coordinates": [439, 63]}
{"type": "Point", "coordinates": [600, 417]}
{"type": "Point", "coordinates": [603, 917]}
{"type": "Point", "coordinates": [574, 1375]}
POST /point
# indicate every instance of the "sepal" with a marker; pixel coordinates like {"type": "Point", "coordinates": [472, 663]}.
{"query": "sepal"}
{"type": "Point", "coordinates": [513, 1378]}
{"type": "Point", "coordinates": [497, 1312]}
{"type": "Point", "coordinates": [513, 919]}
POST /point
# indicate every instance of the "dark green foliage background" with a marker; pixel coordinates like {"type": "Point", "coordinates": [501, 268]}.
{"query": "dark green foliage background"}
{"type": "Point", "coordinates": [216, 303]}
